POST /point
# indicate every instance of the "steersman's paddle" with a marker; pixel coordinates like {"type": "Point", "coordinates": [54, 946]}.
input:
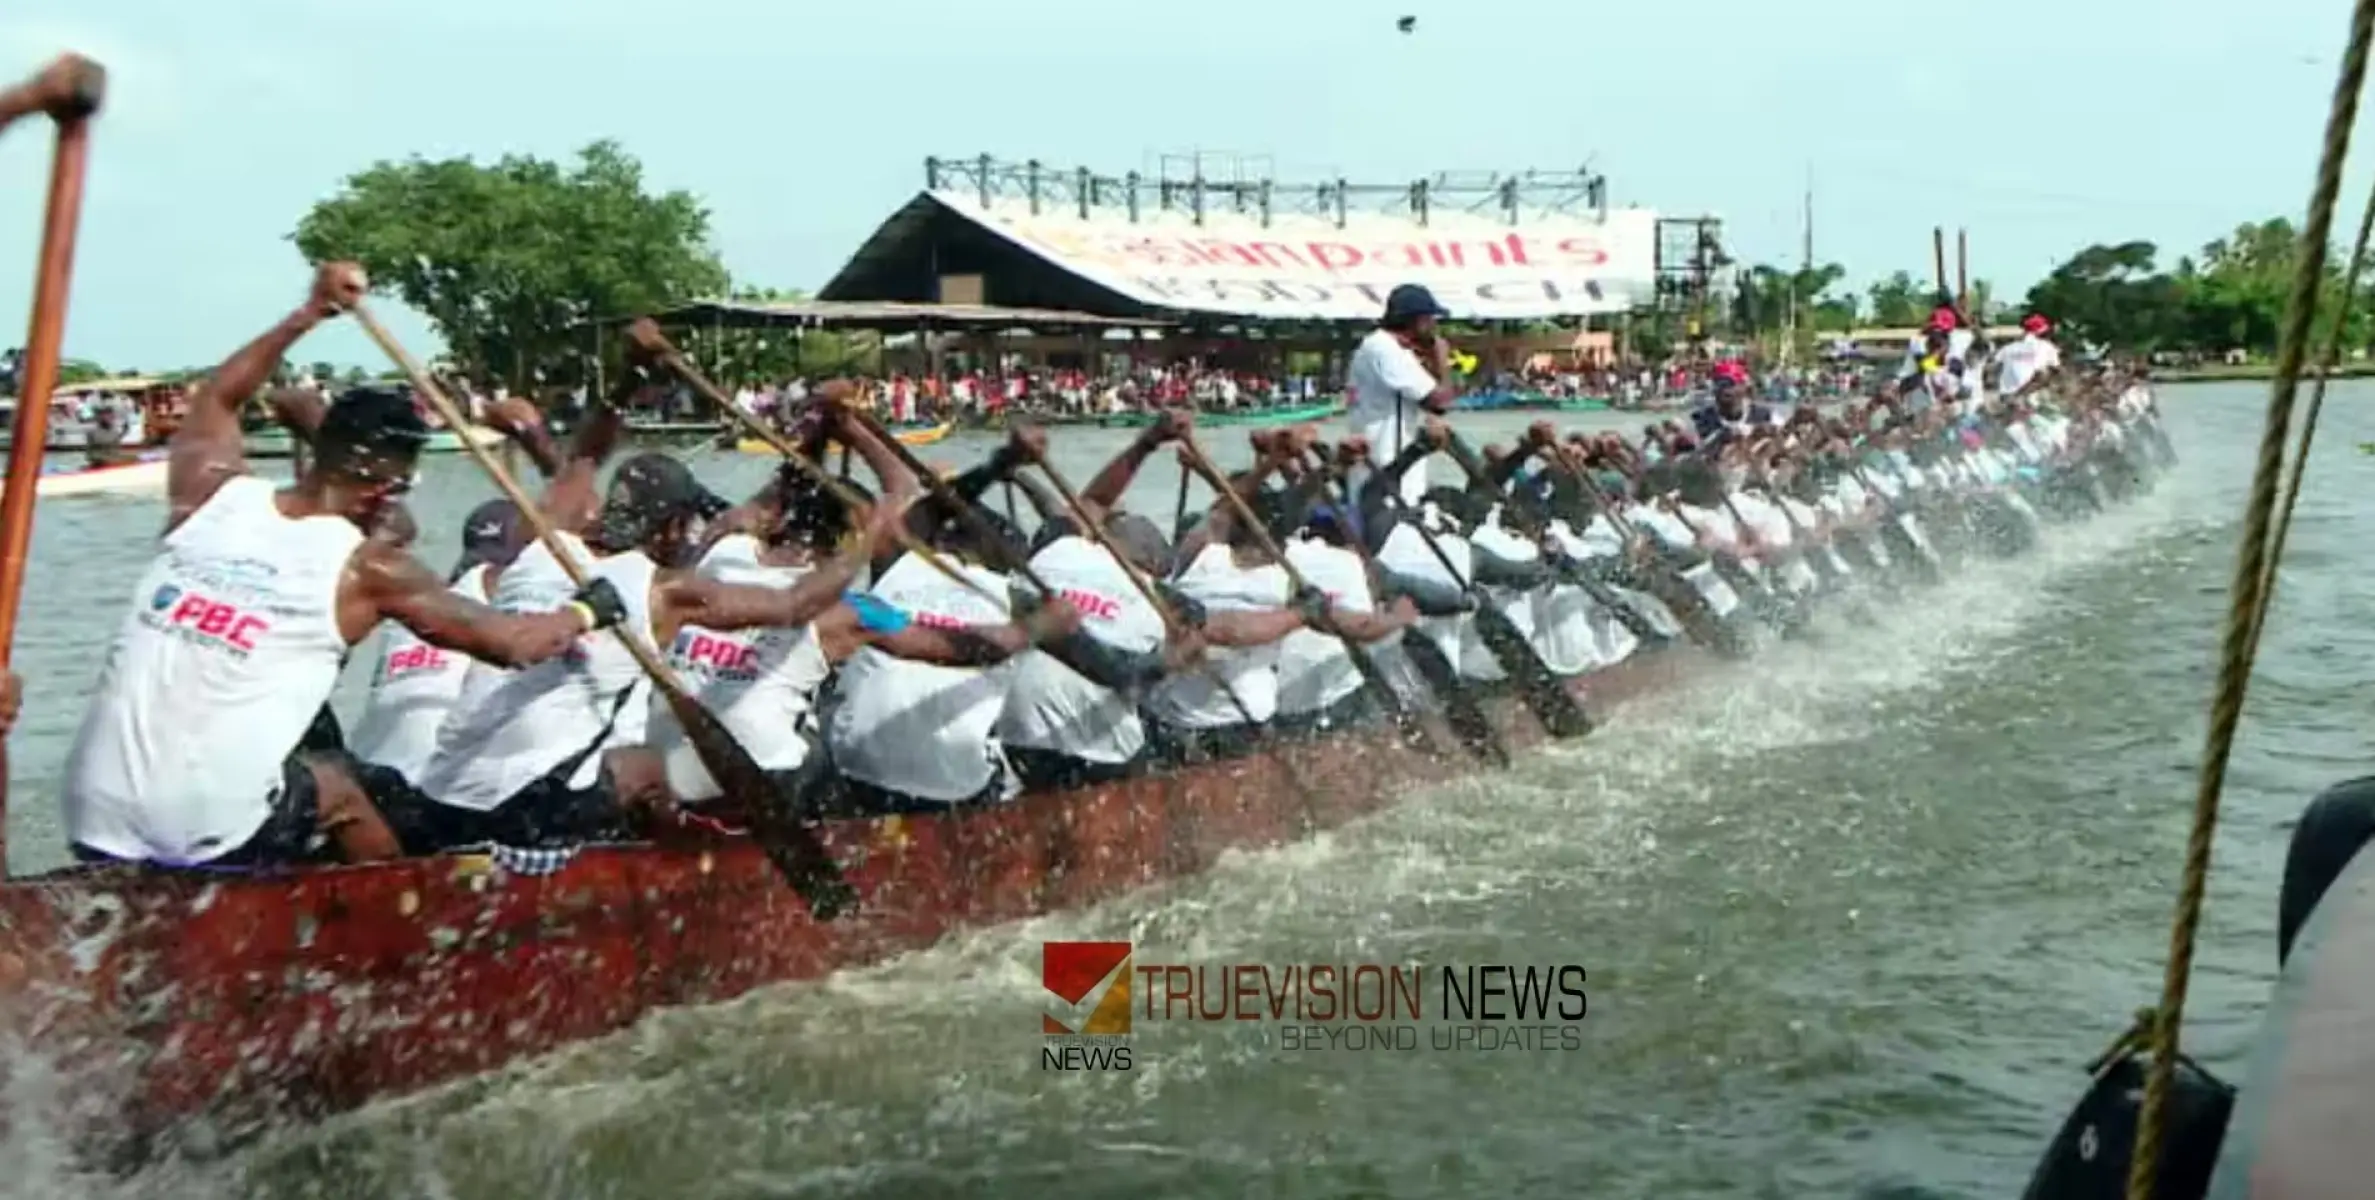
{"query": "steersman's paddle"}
{"type": "Point", "coordinates": [790, 844]}
{"type": "Point", "coordinates": [70, 91]}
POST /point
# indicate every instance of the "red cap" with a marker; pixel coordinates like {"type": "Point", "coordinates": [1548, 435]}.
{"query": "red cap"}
{"type": "Point", "coordinates": [1942, 318]}
{"type": "Point", "coordinates": [2035, 324]}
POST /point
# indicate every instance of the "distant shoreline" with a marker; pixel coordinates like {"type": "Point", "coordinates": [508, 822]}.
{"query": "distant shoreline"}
{"type": "Point", "coordinates": [2222, 373]}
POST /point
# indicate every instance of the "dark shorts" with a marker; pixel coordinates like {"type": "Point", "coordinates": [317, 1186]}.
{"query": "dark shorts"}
{"type": "Point", "coordinates": [847, 798]}
{"type": "Point", "coordinates": [1355, 711]}
{"type": "Point", "coordinates": [1053, 770]}
{"type": "Point", "coordinates": [291, 835]}
{"type": "Point", "coordinates": [1177, 746]}
{"type": "Point", "coordinates": [545, 814]}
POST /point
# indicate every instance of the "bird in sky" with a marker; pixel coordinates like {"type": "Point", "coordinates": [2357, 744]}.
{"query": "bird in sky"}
{"type": "Point", "coordinates": [1406, 24]}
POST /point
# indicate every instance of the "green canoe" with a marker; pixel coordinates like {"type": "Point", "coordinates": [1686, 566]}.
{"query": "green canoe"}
{"type": "Point", "coordinates": [1283, 415]}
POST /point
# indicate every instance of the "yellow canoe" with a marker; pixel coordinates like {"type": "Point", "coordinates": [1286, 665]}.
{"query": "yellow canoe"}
{"type": "Point", "coordinates": [913, 435]}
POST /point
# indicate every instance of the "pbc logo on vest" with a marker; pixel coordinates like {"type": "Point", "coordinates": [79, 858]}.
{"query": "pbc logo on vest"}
{"type": "Point", "coordinates": [1090, 604]}
{"type": "Point", "coordinates": [205, 620]}
{"type": "Point", "coordinates": [416, 659]}
{"type": "Point", "coordinates": [717, 655]}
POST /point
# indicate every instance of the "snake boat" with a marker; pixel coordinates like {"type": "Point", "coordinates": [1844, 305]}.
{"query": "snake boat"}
{"type": "Point", "coordinates": [193, 1010]}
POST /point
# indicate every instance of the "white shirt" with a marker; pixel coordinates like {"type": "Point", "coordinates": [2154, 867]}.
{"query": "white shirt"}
{"type": "Point", "coordinates": [512, 728]}
{"type": "Point", "coordinates": [759, 683]}
{"type": "Point", "coordinates": [1191, 701]}
{"type": "Point", "coordinates": [2023, 361]}
{"type": "Point", "coordinates": [1405, 552]}
{"type": "Point", "coordinates": [1386, 382]}
{"type": "Point", "coordinates": [922, 729]}
{"type": "Point", "coordinates": [1049, 706]}
{"type": "Point", "coordinates": [1313, 669]}
{"type": "Point", "coordinates": [414, 686]}
{"type": "Point", "coordinates": [229, 652]}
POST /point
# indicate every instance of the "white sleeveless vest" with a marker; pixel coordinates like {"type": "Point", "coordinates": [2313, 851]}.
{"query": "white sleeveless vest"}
{"type": "Point", "coordinates": [760, 683]}
{"type": "Point", "coordinates": [1048, 705]}
{"type": "Point", "coordinates": [921, 729]}
{"type": "Point", "coordinates": [231, 648]}
{"type": "Point", "coordinates": [413, 689]}
{"type": "Point", "coordinates": [1192, 701]}
{"type": "Point", "coordinates": [511, 728]}
{"type": "Point", "coordinates": [1406, 553]}
{"type": "Point", "coordinates": [1313, 669]}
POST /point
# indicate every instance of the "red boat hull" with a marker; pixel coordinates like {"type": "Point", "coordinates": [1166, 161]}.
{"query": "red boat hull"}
{"type": "Point", "coordinates": [193, 1011]}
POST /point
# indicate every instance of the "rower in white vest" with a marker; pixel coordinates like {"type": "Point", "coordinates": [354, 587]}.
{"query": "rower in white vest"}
{"type": "Point", "coordinates": [188, 754]}
{"type": "Point", "coordinates": [537, 758]}
{"type": "Point", "coordinates": [762, 681]}
{"type": "Point", "coordinates": [1062, 727]}
{"type": "Point", "coordinates": [1227, 573]}
{"type": "Point", "coordinates": [1320, 689]}
{"type": "Point", "coordinates": [414, 685]}
{"type": "Point", "coordinates": [911, 736]}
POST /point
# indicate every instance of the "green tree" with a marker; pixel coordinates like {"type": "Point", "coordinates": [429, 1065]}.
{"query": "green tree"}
{"type": "Point", "coordinates": [511, 260]}
{"type": "Point", "coordinates": [1898, 300]}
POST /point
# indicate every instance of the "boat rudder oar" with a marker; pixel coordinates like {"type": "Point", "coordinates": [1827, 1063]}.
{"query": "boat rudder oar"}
{"type": "Point", "coordinates": [777, 824]}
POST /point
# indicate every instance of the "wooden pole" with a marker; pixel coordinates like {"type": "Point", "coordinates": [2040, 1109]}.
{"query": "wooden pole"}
{"type": "Point", "coordinates": [1962, 272]}
{"type": "Point", "coordinates": [54, 273]}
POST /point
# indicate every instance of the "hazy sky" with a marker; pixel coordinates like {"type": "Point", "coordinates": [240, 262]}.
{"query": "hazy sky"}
{"type": "Point", "coordinates": [804, 123]}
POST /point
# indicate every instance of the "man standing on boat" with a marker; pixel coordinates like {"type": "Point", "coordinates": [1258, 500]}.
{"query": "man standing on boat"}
{"type": "Point", "coordinates": [1401, 373]}
{"type": "Point", "coordinates": [2030, 362]}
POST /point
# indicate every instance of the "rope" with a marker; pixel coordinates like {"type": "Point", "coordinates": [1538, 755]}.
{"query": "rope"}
{"type": "Point", "coordinates": [2317, 402]}
{"type": "Point", "coordinates": [2252, 569]}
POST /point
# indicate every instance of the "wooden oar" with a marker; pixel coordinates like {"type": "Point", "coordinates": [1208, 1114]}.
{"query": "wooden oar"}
{"type": "Point", "coordinates": [1094, 526]}
{"type": "Point", "coordinates": [790, 844]}
{"type": "Point", "coordinates": [645, 333]}
{"type": "Point", "coordinates": [1544, 692]}
{"type": "Point", "coordinates": [54, 270]}
{"type": "Point", "coordinates": [1461, 710]}
{"type": "Point", "coordinates": [1466, 717]}
{"type": "Point", "coordinates": [1662, 582]}
{"type": "Point", "coordinates": [1537, 528]}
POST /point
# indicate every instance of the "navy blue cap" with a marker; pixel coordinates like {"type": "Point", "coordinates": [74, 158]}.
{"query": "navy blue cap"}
{"type": "Point", "coordinates": [1410, 301]}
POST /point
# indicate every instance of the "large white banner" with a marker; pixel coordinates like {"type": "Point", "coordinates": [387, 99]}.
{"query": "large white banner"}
{"type": "Point", "coordinates": [1303, 267]}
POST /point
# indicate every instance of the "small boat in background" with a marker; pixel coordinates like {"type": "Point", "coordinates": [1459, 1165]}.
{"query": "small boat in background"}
{"type": "Point", "coordinates": [908, 435]}
{"type": "Point", "coordinates": [146, 474]}
{"type": "Point", "coordinates": [1292, 414]}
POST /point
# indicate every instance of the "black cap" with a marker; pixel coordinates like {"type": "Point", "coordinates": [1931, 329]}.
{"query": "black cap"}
{"type": "Point", "coordinates": [489, 534]}
{"type": "Point", "coordinates": [649, 491]}
{"type": "Point", "coordinates": [1411, 301]}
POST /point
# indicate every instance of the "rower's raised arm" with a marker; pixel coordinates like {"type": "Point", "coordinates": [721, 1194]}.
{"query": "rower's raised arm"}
{"type": "Point", "coordinates": [395, 586]}
{"type": "Point", "coordinates": [298, 409]}
{"type": "Point", "coordinates": [1110, 484]}
{"type": "Point", "coordinates": [573, 496]}
{"type": "Point", "coordinates": [206, 449]}
{"type": "Point", "coordinates": [703, 600]}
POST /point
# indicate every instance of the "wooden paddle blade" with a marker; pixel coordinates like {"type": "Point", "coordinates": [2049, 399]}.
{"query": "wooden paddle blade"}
{"type": "Point", "coordinates": [1460, 709]}
{"type": "Point", "coordinates": [775, 813]}
{"type": "Point", "coordinates": [1544, 693]}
